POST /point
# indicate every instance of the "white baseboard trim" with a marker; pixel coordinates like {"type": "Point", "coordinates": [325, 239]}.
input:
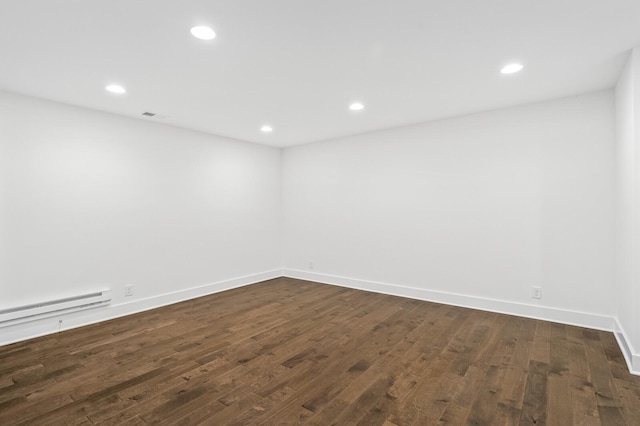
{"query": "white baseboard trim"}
{"type": "Point", "coordinates": [630, 356]}
{"type": "Point", "coordinates": [581, 319]}
{"type": "Point", "coordinates": [50, 325]}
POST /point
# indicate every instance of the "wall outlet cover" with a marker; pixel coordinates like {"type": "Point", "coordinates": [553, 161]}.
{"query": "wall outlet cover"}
{"type": "Point", "coordinates": [536, 292]}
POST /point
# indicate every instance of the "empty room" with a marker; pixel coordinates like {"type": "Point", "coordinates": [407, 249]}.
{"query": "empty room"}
{"type": "Point", "coordinates": [319, 212]}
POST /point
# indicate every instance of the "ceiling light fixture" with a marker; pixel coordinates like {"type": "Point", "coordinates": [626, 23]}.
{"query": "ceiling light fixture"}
{"type": "Point", "coordinates": [115, 88]}
{"type": "Point", "coordinates": [356, 106]}
{"type": "Point", "coordinates": [266, 129]}
{"type": "Point", "coordinates": [203, 33]}
{"type": "Point", "coordinates": [511, 68]}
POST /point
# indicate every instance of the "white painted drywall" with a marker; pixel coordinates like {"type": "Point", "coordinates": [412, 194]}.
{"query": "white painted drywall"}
{"type": "Point", "coordinates": [473, 210]}
{"type": "Point", "coordinates": [91, 200]}
{"type": "Point", "coordinates": [483, 206]}
{"type": "Point", "coordinates": [628, 208]}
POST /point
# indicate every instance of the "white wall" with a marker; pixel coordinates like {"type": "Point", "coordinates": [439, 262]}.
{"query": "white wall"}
{"type": "Point", "coordinates": [628, 209]}
{"type": "Point", "coordinates": [472, 211]}
{"type": "Point", "coordinates": [91, 200]}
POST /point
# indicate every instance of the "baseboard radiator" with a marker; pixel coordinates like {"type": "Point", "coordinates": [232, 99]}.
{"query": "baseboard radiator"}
{"type": "Point", "coordinates": [36, 311]}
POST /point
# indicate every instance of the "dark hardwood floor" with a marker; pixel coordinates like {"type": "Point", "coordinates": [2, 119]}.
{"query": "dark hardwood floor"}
{"type": "Point", "coordinates": [287, 352]}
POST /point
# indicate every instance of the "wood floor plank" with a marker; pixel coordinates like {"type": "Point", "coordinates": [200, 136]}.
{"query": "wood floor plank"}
{"type": "Point", "coordinates": [485, 408]}
{"type": "Point", "coordinates": [630, 397]}
{"type": "Point", "coordinates": [583, 397]}
{"type": "Point", "coordinates": [534, 410]}
{"type": "Point", "coordinates": [287, 352]}
{"type": "Point", "coordinates": [559, 402]}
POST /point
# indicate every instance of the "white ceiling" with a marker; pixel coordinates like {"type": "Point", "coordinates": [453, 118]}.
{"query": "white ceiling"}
{"type": "Point", "coordinates": [298, 64]}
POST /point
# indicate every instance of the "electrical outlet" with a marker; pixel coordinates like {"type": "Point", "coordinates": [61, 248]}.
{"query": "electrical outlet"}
{"type": "Point", "coordinates": [128, 290]}
{"type": "Point", "coordinates": [311, 264]}
{"type": "Point", "coordinates": [536, 292]}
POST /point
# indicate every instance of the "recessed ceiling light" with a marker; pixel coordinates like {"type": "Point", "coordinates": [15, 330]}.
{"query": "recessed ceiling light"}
{"type": "Point", "coordinates": [115, 88]}
{"type": "Point", "coordinates": [511, 68]}
{"type": "Point", "coordinates": [266, 129]}
{"type": "Point", "coordinates": [203, 33]}
{"type": "Point", "coordinates": [356, 106]}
